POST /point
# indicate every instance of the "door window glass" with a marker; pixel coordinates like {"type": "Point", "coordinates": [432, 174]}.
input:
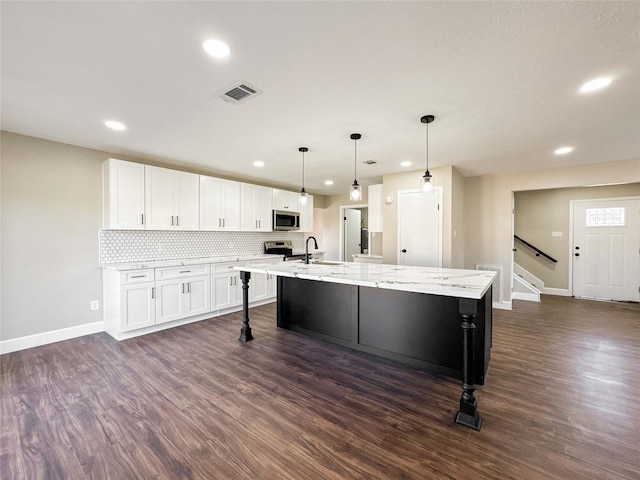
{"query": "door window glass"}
{"type": "Point", "coordinates": [605, 217]}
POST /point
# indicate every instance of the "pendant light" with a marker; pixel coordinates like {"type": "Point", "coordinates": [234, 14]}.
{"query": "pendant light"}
{"type": "Point", "coordinates": [303, 193]}
{"type": "Point", "coordinates": [355, 187]}
{"type": "Point", "coordinates": [425, 181]}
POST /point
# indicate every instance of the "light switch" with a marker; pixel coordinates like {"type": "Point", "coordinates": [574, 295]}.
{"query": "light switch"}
{"type": "Point", "coordinates": [556, 234]}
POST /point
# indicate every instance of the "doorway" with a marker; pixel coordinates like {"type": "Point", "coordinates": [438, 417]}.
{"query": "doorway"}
{"type": "Point", "coordinates": [605, 246]}
{"type": "Point", "coordinates": [354, 236]}
{"type": "Point", "coordinates": [420, 228]}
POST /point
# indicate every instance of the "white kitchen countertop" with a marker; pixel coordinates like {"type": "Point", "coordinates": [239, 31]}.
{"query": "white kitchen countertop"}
{"type": "Point", "coordinates": [184, 261]}
{"type": "Point", "coordinates": [436, 281]}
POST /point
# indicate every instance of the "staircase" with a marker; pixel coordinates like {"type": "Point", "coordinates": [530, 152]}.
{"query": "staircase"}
{"type": "Point", "coordinates": [526, 286]}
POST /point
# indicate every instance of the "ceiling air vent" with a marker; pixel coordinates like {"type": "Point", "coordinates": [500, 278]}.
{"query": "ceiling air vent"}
{"type": "Point", "coordinates": [239, 92]}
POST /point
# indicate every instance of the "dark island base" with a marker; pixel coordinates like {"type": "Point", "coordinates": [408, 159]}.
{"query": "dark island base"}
{"type": "Point", "coordinates": [415, 329]}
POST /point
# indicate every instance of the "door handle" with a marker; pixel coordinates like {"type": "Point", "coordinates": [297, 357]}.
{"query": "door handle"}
{"type": "Point", "coordinates": [404, 250]}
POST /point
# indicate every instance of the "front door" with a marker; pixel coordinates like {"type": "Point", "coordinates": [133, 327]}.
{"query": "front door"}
{"type": "Point", "coordinates": [420, 228]}
{"type": "Point", "coordinates": [606, 249]}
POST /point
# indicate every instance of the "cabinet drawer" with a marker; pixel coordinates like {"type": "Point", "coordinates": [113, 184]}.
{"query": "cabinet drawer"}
{"type": "Point", "coordinates": [137, 276]}
{"type": "Point", "coordinates": [183, 271]}
{"type": "Point", "coordinates": [225, 267]}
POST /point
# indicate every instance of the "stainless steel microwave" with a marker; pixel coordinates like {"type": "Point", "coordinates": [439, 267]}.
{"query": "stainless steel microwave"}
{"type": "Point", "coordinates": [284, 220]}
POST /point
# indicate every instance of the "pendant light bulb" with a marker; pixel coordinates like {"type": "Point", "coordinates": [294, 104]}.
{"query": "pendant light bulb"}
{"type": "Point", "coordinates": [302, 199]}
{"type": "Point", "coordinates": [425, 182]}
{"type": "Point", "coordinates": [355, 193]}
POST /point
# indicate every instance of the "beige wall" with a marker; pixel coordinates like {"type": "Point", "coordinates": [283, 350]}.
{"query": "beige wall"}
{"type": "Point", "coordinates": [332, 221]}
{"type": "Point", "coordinates": [51, 213]}
{"type": "Point", "coordinates": [540, 212]}
{"type": "Point", "coordinates": [488, 203]}
{"type": "Point", "coordinates": [442, 177]}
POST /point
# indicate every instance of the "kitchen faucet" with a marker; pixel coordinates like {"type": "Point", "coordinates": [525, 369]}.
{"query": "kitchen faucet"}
{"type": "Point", "coordinates": [306, 248]}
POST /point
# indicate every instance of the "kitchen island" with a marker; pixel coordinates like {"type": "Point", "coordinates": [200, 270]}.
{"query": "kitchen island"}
{"type": "Point", "coordinates": [430, 318]}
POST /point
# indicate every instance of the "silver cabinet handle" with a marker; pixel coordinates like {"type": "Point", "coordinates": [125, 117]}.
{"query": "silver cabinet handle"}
{"type": "Point", "coordinates": [138, 276]}
{"type": "Point", "coordinates": [153, 292]}
{"type": "Point", "coordinates": [185, 271]}
{"type": "Point", "coordinates": [189, 287]}
{"type": "Point", "coordinates": [177, 220]}
{"type": "Point", "coordinates": [230, 280]}
{"type": "Point", "coordinates": [183, 288]}
{"type": "Point", "coordinates": [171, 219]}
{"type": "Point", "coordinates": [219, 222]}
{"type": "Point", "coordinates": [142, 219]}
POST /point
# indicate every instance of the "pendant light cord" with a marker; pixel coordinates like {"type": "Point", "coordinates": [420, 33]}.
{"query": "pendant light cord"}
{"type": "Point", "coordinates": [355, 156]}
{"type": "Point", "coordinates": [427, 140]}
{"type": "Point", "coordinates": [303, 171]}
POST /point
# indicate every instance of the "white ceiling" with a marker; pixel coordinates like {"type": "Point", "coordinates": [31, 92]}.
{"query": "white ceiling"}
{"type": "Point", "coordinates": [501, 79]}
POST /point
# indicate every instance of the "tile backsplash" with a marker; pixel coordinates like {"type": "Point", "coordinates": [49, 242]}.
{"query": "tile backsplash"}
{"type": "Point", "coordinates": [135, 246]}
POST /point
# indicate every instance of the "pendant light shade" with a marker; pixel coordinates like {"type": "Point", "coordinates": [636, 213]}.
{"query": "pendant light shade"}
{"type": "Point", "coordinates": [303, 193]}
{"type": "Point", "coordinates": [425, 181]}
{"type": "Point", "coordinates": [355, 193]}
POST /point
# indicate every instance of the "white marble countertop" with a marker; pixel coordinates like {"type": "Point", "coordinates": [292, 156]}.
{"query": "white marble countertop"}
{"type": "Point", "coordinates": [185, 261]}
{"type": "Point", "coordinates": [437, 281]}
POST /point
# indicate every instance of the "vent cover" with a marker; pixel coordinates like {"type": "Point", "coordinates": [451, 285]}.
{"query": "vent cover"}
{"type": "Point", "coordinates": [239, 92]}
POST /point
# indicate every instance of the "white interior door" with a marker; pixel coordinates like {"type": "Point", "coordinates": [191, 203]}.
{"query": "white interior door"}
{"type": "Point", "coordinates": [606, 249]}
{"type": "Point", "coordinates": [420, 228]}
{"type": "Point", "coordinates": [352, 224]}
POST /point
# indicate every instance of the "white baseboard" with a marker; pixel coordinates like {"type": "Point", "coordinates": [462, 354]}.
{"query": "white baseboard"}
{"type": "Point", "coordinates": [529, 297]}
{"type": "Point", "coordinates": [560, 292]}
{"type": "Point", "coordinates": [45, 338]}
{"type": "Point", "coordinates": [502, 305]}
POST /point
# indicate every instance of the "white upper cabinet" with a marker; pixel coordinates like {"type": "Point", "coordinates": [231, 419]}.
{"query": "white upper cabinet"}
{"type": "Point", "coordinates": [285, 200]}
{"type": "Point", "coordinates": [375, 208]}
{"type": "Point", "coordinates": [219, 204]}
{"type": "Point", "coordinates": [306, 214]}
{"type": "Point", "coordinates": [123, 195]}
{"type": "Point", "coordinates": [256, 204]}
{"type": "Point", "coordinates": [171, 199]}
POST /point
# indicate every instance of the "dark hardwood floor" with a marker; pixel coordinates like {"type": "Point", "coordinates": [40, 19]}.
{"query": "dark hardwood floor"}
{"type": "Point", "coordinates": [561, 401]}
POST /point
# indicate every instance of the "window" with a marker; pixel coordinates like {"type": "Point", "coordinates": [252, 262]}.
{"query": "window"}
{"type": "Point", "coordinates": [605, 217]}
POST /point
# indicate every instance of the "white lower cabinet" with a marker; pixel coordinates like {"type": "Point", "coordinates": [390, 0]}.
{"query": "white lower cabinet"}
{"type": "Point", "coordinates": [137, 302]}
{"type": "Point", "coordinates": [262, 286]}
{"type": "Point", "coordinates": [226, 286]}
{"type": "Point", "coordinates": [182, 292]}
{"type": "Point", "coordinates": [182, 298]}
{"type": "Point", "coordinates": [138, 307]}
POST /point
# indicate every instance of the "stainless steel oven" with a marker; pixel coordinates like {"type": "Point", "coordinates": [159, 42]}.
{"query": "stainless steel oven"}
{"type": "Point", "coordinates": [283, 247]}
{"type": "Point", "coordinates": [284, 220]}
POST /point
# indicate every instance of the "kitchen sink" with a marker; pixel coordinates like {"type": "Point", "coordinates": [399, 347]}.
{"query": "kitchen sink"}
{"type": "Point", "coordinates": [325, 262]}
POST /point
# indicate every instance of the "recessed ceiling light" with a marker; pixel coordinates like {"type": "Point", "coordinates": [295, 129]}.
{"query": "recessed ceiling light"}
{"type": "Point", "coordinates": [216, 48]}
{"type": "Point", "coordinates": [596, 84]}
{"type": "Point", "coordinates": [406, 163]}
{"type": "Point", "coordinates": [114, 125]}
{"type": "Point", "coordinates": [258, 163]}
{"type": "Point", "coordinates": [328, 182]}
{"type": "Point", "coordinates": [563, 150]}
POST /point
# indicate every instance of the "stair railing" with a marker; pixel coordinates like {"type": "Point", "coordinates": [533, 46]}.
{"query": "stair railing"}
{"type": "Point", "coordinates": [535, 249]}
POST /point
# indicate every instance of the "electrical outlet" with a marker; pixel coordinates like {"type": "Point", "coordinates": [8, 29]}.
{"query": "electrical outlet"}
{"type": "Point", "coordinates": [95, 305]}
